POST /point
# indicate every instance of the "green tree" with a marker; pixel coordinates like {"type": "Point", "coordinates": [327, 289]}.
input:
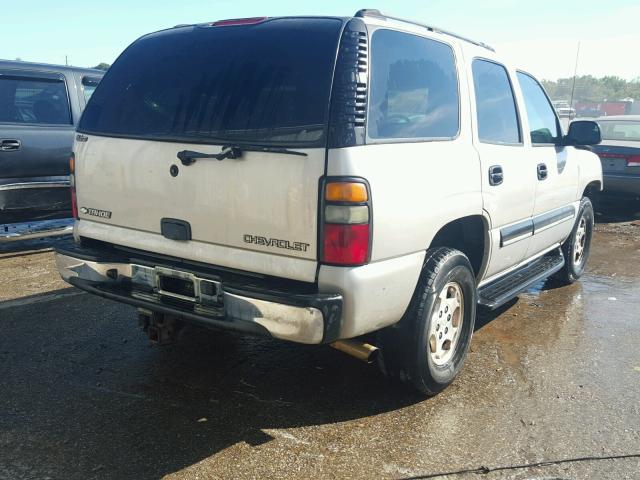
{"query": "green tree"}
{"type": "Point", "coordinates": [591, 89]}
{"type": "Point", "coordinates": [102, 66]}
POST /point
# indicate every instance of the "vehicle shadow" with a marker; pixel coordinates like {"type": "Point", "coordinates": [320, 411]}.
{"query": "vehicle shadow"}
{"type": "Point", "coordinates": [85, 396]}
{"type": "Point", "coordinates": [610, 209]}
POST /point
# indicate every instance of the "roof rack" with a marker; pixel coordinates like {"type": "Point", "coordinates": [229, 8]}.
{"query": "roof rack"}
{"type": "Point", "coordinates": [370, 12]}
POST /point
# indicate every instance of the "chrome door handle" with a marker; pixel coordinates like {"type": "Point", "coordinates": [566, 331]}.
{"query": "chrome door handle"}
{"type": "Point", "coordinates": [496, 175]}
{"type": "Point", "coordinates": [9, 145]}
{"type": "Point", "coordinates": [542, 171]}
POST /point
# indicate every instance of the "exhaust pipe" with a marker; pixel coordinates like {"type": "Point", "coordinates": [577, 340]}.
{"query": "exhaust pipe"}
{"type": "Point", "coordinates": [358, 349]}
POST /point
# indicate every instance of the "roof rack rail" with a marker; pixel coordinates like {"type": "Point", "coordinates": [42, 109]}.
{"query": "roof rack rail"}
{"type": "Point", "coordinates": [369, 12]}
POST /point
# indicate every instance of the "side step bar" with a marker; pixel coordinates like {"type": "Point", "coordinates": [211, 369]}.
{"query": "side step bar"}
{"type": "Point", "coordinates": [502, 290]}
{"type": "Point", "coordinates": [13, 232]}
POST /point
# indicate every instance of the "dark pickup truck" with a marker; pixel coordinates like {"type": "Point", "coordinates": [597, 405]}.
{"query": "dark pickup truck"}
{"type": "Point", "coordinates": [40, 106]}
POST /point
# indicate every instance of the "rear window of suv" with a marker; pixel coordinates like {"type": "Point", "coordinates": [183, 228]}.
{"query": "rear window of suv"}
{"type": "Point", "coordinates": [267, 83]}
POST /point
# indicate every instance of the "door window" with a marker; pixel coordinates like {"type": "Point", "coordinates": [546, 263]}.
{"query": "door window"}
{"type": "Point", "coordinates": [33, 101]}
{"type": "Point", "coordinates": [495, 105]}
{"type": "Point", "coordinates": [414, 88]}
{"type": "Point", "coordinates": [543, 123]}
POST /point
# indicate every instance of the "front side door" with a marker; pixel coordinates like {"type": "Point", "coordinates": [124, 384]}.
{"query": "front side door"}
{"type": "Point", "coordinates": [508, 187]}
{"type": "Point", "coordinates": [556, 169]}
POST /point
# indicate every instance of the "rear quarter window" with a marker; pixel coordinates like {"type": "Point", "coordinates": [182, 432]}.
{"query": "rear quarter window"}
{"type": "Point", "coordinates": [414, 88]}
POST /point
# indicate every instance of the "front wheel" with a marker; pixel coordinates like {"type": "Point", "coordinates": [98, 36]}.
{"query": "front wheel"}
{"type": "Point", "coordinates": [577, 247]}
{"type": "Point", "coordinates": [428, 346]}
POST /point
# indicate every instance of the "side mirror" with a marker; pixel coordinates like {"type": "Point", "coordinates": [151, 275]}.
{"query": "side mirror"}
{"type": "Point", "coordinates": [583, 133]}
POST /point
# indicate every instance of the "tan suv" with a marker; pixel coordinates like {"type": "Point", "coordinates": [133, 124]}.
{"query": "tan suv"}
{"type": "Point", "coordinates": [362, 181]}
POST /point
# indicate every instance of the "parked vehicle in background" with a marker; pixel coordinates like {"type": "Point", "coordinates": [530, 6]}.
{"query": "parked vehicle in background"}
{"type": "Point", "coordinates": [589, 113]}
{"type": "Point", "coordinates": [604, 108]}
{"type": "Point", "coordinates": [40, 106]}
{"type": "Point", "coordinates": [371, 194]}
{"type": "Point", "coordinates": [619, 153]}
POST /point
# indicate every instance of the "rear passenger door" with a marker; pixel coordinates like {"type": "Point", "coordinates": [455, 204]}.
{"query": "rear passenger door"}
{"type": "Point", "coordinates": [36, 125]}
{"type": "Point", "coordinates": [508, 177]}
{"type": "Point", "coordinates": [556, 169]}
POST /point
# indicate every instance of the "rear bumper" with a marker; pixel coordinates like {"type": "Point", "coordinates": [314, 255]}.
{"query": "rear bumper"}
{"type": "Point", "coordinates": [13, 232]}
{"type": "Point", "coordinates": [310, 318]}
{"type": "Point", "coordinates": [621, 184]}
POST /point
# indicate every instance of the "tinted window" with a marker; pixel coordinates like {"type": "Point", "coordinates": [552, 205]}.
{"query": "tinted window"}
{"type": "Point", "coordinates": [495, 105]}
{"type": "Point", "coordinates": [266, 83]}
{"type": "Point", "coordinates": [414, 88]}
{"type": "Point", "coordinates": [89, 85]}
{"type": "Point", "coordinates": [27, 100]}
{"type": "Point", "coordinates": [624, 130]}
{"type": "Point", "coordinates": [543, 125]}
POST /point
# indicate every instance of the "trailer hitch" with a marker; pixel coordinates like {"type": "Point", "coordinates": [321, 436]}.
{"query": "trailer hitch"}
{"type": "Point", "coordinates": [161, 329]}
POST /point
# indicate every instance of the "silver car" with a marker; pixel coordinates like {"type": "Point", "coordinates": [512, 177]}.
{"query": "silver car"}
{"type": "Point", "coordinates": [619, 153]}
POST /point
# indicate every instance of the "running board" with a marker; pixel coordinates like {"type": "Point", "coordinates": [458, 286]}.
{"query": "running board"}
{"type": "Point", "coordinates": [14, 232]}
{"type": "Point", "coordinates": [502, 290]}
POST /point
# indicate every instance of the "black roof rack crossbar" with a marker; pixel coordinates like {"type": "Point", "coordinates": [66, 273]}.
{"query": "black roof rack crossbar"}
{"type": "Point", "coordinates": [376, 13]}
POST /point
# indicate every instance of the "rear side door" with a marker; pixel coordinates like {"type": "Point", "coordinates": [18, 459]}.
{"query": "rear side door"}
{"type": "Point", "coordinates": [36, 124]}
{"type": "Point", "coordinates": [556, 169]}
{"type": "Point", "coordinates": [508, 183]}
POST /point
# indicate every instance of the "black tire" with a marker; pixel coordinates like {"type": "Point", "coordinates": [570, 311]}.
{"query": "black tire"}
{"type": "Point", "coordinates": [405, 351]}
{"type": "Point", "coordinates": [572, 270]}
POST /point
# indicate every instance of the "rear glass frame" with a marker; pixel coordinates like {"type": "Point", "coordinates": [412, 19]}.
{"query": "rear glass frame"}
{"type": "Point", "coordinates": [456, 64]}
{"type": "Point", "coordinates": [239, 140]}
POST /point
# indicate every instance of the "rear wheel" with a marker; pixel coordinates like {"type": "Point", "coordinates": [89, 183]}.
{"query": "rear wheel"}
{"type": "Point", "coordinates": [577, 247]}
{"type": "Point", "coordinates": [428, 346]}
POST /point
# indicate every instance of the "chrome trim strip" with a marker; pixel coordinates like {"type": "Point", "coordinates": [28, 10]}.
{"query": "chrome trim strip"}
{"type": "Point", "coordinates": [31, 185]}
{"type": "Point", "coordinates": [516, 232]}
{"type": "Point", "coordinates": [527, 228]}
{"type": "Point", "coordinates": [554, 217]}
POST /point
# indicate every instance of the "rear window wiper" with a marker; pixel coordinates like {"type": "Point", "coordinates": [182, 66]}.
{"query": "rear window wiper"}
{"type": "Point", "coordinates": [188, 157]}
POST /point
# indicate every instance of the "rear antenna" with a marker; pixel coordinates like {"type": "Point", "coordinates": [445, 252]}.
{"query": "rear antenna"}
{"type": "Point", "coordinates": [575, 73]}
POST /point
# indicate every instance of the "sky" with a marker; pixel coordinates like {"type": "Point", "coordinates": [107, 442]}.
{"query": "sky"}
{"type": "Point", "coordinates": [540, 36]}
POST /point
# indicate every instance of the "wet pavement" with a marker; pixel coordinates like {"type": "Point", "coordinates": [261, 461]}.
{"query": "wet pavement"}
{"type": "Point", "coordinates": [553, 378]}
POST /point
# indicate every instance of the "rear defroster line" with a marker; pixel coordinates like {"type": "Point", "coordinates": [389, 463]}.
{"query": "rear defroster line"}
{"type": "Point", "coordinates": [484, 470]}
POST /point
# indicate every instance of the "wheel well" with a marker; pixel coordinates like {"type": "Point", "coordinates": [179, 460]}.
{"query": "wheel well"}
{"type": "Point", "coordinates": [467, 234]}
{"type": "Point", "coordinates": [592, 189]}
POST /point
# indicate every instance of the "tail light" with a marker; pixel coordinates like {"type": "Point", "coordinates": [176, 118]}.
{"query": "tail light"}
{"type": "Point", "coordinates": [633, 161]}
{"type": "Point", "coordinates": [346, 223]}
{"type": "Point", "coordinates": [72, 184]}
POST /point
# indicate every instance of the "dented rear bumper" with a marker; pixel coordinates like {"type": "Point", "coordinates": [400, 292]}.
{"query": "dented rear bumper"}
{"type": "Point", "coordinates": [202, 296]}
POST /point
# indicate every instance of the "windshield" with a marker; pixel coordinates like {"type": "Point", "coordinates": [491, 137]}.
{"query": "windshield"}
{"type": "Point", "coordinates": [622, 130]}
{"type": "Point", "coordinates": [266, 83]}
